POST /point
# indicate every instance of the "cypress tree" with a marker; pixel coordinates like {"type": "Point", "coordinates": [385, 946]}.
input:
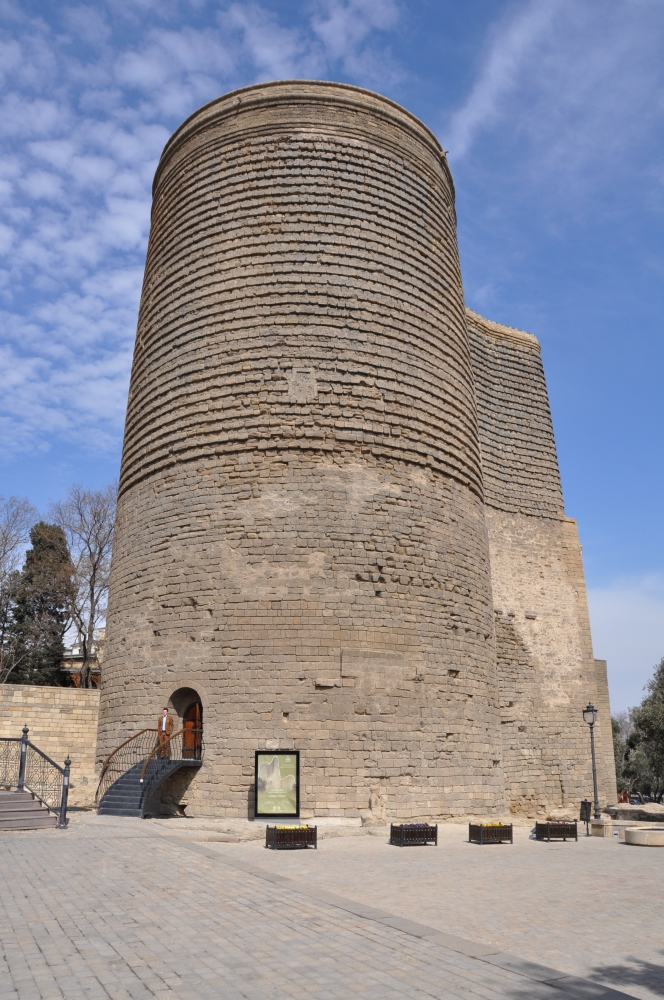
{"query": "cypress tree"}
{"type": "Point", "coordinates": [40, 615]}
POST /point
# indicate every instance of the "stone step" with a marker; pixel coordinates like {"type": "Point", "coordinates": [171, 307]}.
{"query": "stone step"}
{"type": "Point", "coordinates": [101, 811]}
{"type": "Point", "coordinates": [126, 802]}
{"type": "Point", "coordinates": [19, 802]}
{"type": "Point", "coordinates": [20, 811]}
{"type": "Point", "coordinates": [29, 821]}
{"type": "Point", "coordinates": [125, 796]}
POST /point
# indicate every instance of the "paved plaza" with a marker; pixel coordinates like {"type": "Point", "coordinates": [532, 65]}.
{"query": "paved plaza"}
{"type": "Point", "coordinates": [134, 909]}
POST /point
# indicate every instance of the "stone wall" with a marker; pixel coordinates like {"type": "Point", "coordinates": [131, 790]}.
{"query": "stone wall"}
{"type": "Point", "coordinates": [300, 535]}
{"type": "Point", "coordinates": [302, 289]}
{"type": "Point", "coordinates": [546, 667]}
{"type": "Point", "coordinates": [341, 609]}
{"type": "Point", "coordinates": [547, 673]}
{"type": "Point", "coordinates": [606, 763]}
{"type": "Point", "coordinates": [62, 722]}
{"type": "Point", "coordinates": [519, 460]}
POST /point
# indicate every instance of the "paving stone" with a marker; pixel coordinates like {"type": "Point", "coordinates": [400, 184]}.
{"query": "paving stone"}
{"type": "Point", "coordinates": [164, 920]}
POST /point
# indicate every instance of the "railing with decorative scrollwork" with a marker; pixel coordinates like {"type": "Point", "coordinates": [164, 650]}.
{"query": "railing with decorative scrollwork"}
{"type": "Point", "coordinates": [10, 762]}
{"type": "Point", "coordinates": [156, 752]}
{"type": "Point", "coordinates": [184, 746]}
{"type": "Point", "coordinates": [133, 751]}
{"type": "Point", "coordinates": [24, 767]}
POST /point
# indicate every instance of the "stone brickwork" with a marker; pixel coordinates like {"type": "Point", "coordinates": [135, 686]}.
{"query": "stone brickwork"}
{"type": "Point", "coordinates": [302, 290]}
{"type": "Point", "coordinates": [606, 759]}
{"type": "Point", "coordinates": [302, 538]}
{"type": "Point", "coordinates": [546, 669]}
{"type": "Point", "coordinates": [519, 460]}
{"type": "Point", "coordinates": [62, 721]}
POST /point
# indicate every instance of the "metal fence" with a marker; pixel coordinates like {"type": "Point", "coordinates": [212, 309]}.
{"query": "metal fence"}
{"type": "Point", "coordinates": [10, 761]}
{"type": "Point", "coordinates": [157, 755]}
{"type": "Point", "coordinates": [24, 767]}
{"type": "Point", "coordinates": [133, 751]}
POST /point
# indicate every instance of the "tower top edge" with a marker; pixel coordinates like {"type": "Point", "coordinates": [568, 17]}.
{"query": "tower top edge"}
{"type": "Point", "coordinates": [502, 332]}
{"type": "Point", "coordinates": [280, 91]}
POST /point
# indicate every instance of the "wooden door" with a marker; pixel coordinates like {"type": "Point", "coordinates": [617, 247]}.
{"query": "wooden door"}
{"type": "Point", "coordinates": [192, 737]}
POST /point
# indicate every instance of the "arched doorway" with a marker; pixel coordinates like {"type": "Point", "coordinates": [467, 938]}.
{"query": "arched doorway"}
{"type": "Point", "coordinates": [192, 736]}
{"type": "Point", "coordinates": [186, 703]}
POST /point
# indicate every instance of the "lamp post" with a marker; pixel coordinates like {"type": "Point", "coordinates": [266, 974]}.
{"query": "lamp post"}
{"type": "Point", "coordinates": [590, 717]}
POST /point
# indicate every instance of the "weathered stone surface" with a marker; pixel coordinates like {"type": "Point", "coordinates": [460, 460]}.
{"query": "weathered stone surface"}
{"type": "Point", "coordinates": [302, 537]}
{"type": "Point", "coordinates": [645, 837]}
{"type": "Point", "coordinates": [62, 722]}
{"type": "Point", "coordinates": [546, 669]}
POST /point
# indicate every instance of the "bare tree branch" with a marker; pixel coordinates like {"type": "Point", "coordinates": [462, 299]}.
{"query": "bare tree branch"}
{"type": "Point", "coordinates": [87, 518]}
{"type": "Point", "coordinates": [17, 516]}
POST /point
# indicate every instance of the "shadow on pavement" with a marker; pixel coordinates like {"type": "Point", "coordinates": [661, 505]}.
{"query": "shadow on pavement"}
{"type": "Point", "coordinates": [638, 973]}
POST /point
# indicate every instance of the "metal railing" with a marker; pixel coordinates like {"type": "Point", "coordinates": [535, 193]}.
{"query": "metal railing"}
{"type": "Point", "coordinates": [10, 761]}
{"type": "Point", "coordinates": [157, 756]}
{"type": "Point", "coordinates": [23, 766]}
{"type": "Point", "coordinates": [123, 758]}
{"type": "Point", "coordinates": [185, 745]}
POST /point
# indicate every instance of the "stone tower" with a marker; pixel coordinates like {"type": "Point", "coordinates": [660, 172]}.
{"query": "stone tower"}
{"type": "Point", "coordinates": [301, 540]}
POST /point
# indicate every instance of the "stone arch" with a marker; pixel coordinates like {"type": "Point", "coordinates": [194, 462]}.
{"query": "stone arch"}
{"type": "Point", "coordinates": [182, 700]}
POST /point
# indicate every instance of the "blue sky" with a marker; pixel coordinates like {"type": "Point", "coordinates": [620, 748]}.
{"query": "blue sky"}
{"type": "Point", "coordinates": [553, 115]}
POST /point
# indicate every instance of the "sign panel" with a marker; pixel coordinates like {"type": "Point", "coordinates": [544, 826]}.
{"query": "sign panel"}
{"type": "Point", "coordinates": [277, 783]}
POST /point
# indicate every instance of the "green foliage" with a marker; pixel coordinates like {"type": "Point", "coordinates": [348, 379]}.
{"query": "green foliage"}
{"type": "Point", "coordinates": [648, 722]}
{"type": "Point", "coordinates": [41, 596]}
{"type": "Point", "coordinates": [619, 750]}
{"type": "Point", "coordinates": [638, 741]}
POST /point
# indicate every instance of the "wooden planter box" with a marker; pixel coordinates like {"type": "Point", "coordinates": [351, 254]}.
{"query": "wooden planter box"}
{"type": "Point", "coordinates": [286, 838]}
{"type": "Point", "coordinates": [483, 833]}
{"type": "Point", "coordinates": [561, 830]}
{"type": "Point", "coordinates": [409, 834]}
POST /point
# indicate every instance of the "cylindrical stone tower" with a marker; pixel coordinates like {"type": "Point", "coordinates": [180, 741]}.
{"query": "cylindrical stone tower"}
{"type": "Point", "coordinates": [301, 542]}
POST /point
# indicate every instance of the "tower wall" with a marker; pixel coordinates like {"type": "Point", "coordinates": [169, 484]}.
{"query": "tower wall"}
{"type": "Point", "coordinates": [546, 670]}
{"type": "Point", "coordinates": [301, 535]}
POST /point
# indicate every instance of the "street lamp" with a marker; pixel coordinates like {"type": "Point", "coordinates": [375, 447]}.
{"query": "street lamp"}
{"type": "Point", "coordinates": [590, 717]}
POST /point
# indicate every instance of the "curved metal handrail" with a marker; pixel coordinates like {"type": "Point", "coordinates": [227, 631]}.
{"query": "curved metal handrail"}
{"type": "Point", "coordinates": [113, 752]}
{"type": "Point", "coordinates": [110, 757]}
{"type": "Point", "coordinates": [167, 743]}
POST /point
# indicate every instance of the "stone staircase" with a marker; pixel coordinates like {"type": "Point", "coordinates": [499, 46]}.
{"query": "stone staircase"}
{"type": "Point", "coordinates": [22, 811]}
{"type": "Point", "coordinates": [127, 796]}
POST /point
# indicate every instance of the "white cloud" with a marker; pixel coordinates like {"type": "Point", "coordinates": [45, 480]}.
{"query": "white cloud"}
{"type": "Point", "coordinates": [274, 51]}
{"type": "Point", "coordinates": [511, 44]}
{"type": "Point", "coordinates": [89, 23]}
{"type": "Point", "coordinates": [6, 239]}
{"type": "Point", "coordinates": [84, 117]}
{"type": "Point", "coordinates": [575, 88]}
{"type": "Point", "coordinates": [627, 620]}
{"type": "Point", "coordinates": [41, 184]}
{"type": "Point", "coordinates": [346, 27]}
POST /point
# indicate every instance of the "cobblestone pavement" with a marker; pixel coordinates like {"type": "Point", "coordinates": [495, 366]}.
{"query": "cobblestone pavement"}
{"type": "Point", "coordinates": [593, 908]}
{"type": "Point", "coordinates": [118, 910]}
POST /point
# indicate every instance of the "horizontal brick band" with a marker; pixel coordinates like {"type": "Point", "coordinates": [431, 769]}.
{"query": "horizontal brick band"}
{"type": "Point", "coordinates": [302, 229]}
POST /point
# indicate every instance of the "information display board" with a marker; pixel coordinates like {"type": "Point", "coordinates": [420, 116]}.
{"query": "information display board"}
{"type": "Point", "coordinates": [277, 783]}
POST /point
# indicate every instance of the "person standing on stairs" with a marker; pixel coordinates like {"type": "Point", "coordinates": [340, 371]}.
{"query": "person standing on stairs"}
{"type": "Point", "coordinates": [165, 728]}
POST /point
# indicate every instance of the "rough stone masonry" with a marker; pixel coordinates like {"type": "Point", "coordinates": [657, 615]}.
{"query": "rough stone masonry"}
{"type": "Point", "coordinates": [341, 524]}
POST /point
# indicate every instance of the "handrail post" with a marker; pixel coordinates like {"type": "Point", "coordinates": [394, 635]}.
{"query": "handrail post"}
{"type": "Point", "coordinates": [24, 754]}
{"type": "Point", "coordinates": [62, 822]}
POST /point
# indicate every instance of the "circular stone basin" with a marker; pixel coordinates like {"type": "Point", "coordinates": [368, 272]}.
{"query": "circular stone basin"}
{"type": "Point", "coordinates": [645, 836]}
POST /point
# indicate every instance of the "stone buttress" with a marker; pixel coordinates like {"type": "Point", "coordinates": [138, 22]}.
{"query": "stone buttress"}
{"type": "Point", "coordinates": [547, 673]}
